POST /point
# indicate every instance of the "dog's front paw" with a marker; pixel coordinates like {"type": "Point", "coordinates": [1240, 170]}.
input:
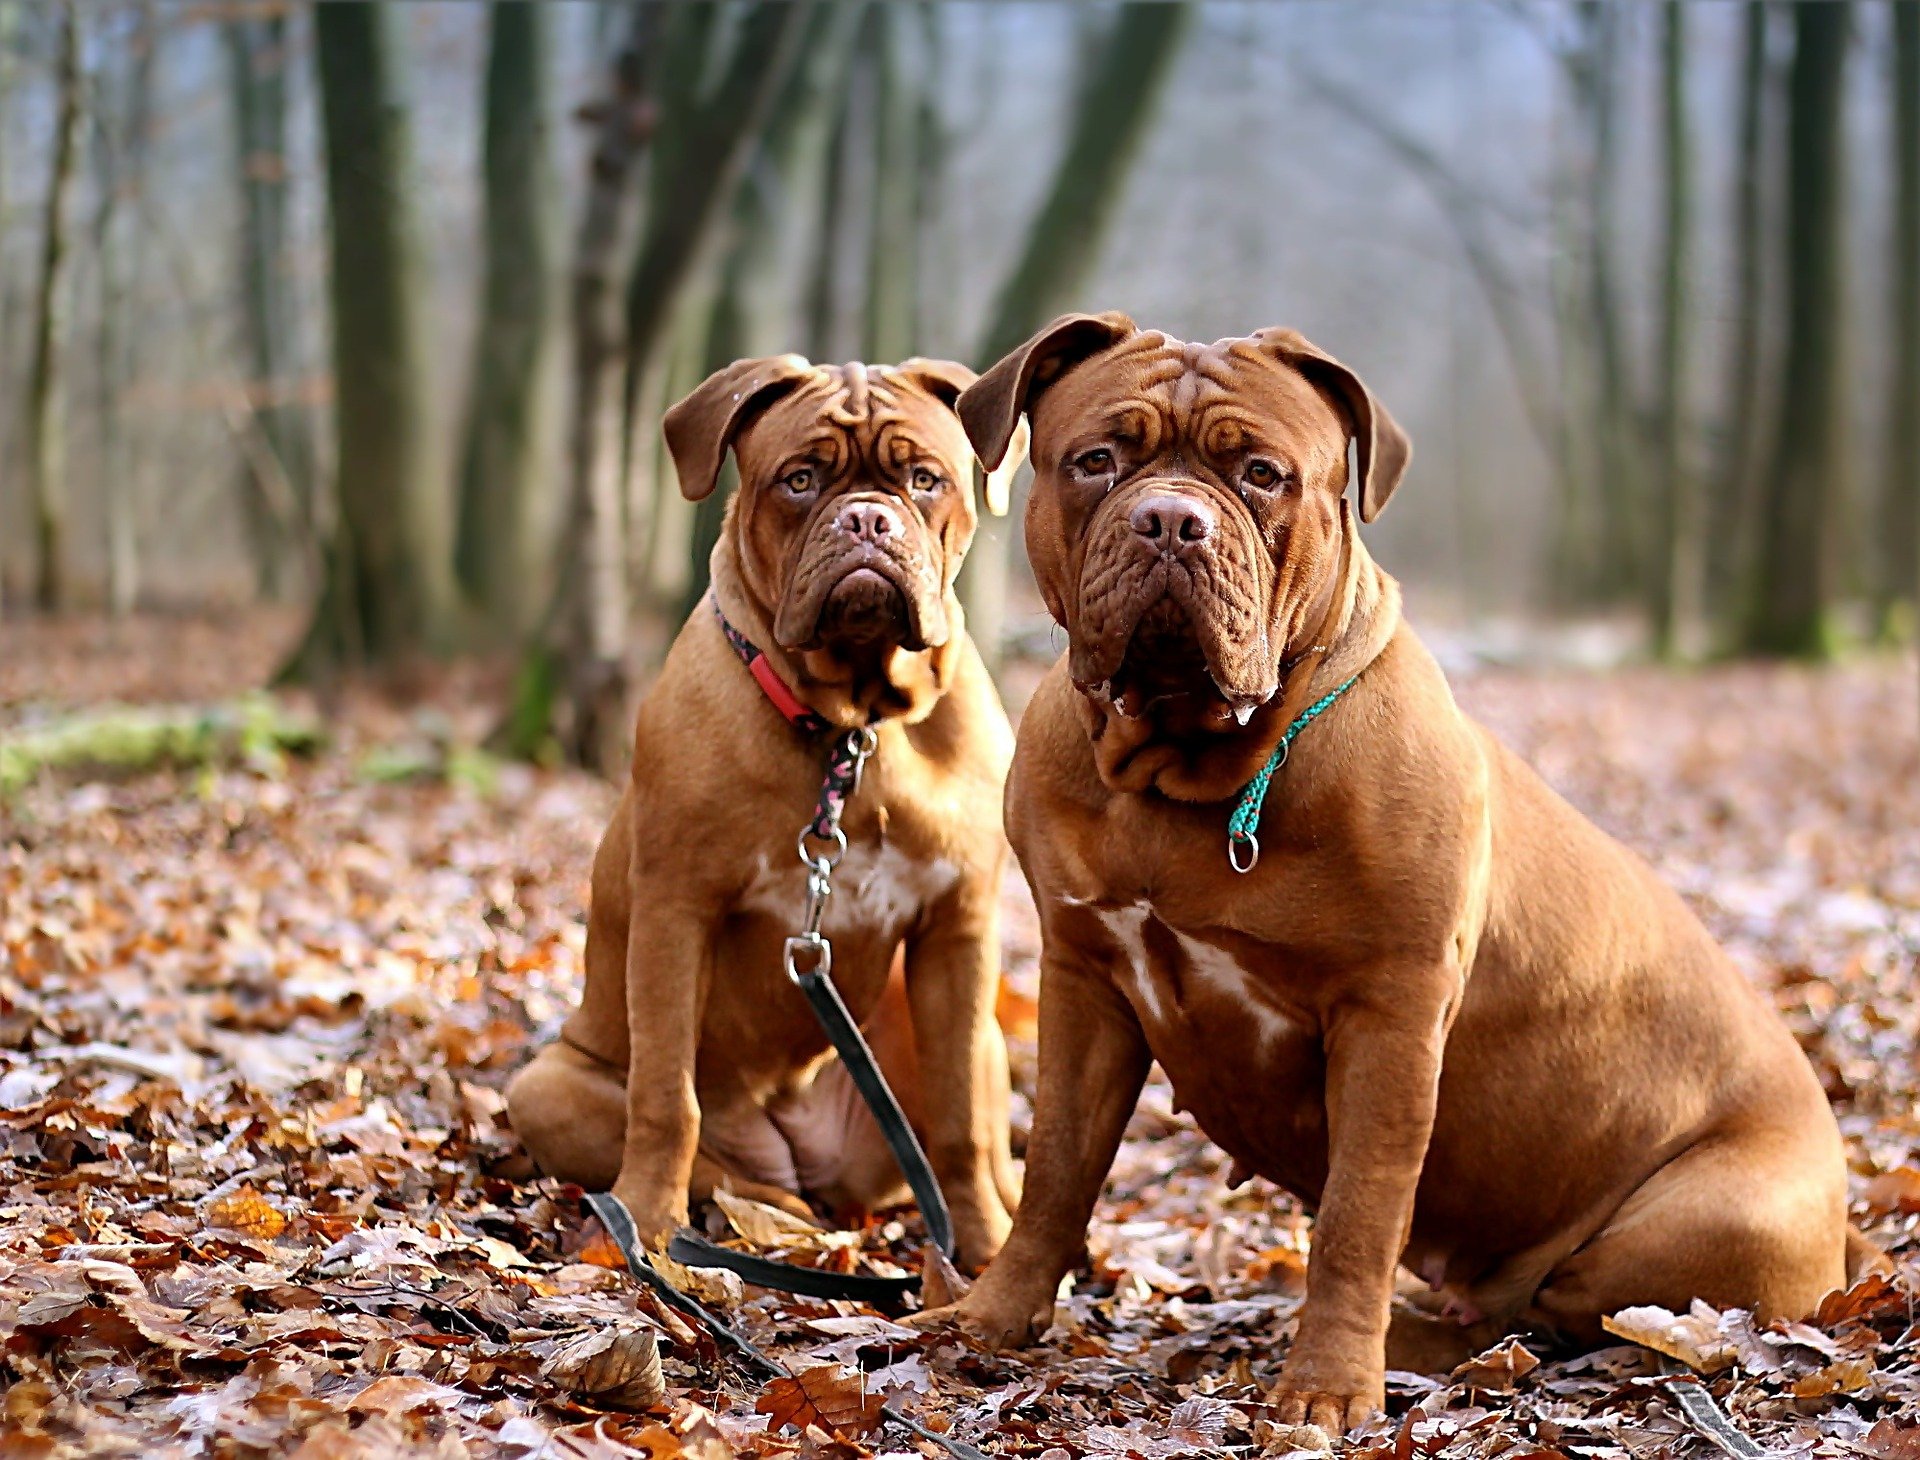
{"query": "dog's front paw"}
{"type": "Point", "coordinates": [655, 1217]}
{"type": "Point", "coordinates": [992, 1318]}
{"type": "Point", "coordinates": [1335, 1401]}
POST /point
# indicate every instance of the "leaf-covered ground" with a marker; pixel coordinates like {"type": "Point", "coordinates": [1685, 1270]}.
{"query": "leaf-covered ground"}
{"type": "Point", "coordinates": [257, 1195]}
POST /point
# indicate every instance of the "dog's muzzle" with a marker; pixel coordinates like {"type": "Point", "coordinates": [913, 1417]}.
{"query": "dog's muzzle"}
{"type": "Point", "coordinates": [1170, 602]}
{"type": "Point", "coordinates": [864, 578]}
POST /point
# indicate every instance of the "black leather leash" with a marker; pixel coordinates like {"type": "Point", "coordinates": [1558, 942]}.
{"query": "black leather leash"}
{"type": "Point", "coordinates": [618, 1221]}
{"type": "Point", "coordinates": [694, 1250]}
{"type": "Point", "coordinates": [809, 964]}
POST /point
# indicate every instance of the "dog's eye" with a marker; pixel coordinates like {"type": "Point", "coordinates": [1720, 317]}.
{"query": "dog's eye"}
{"type": "Point", "coordinates": [926, 481]}
{"type": "Point", "coordinates": [1261, 474]}
{"type": "Point", "coordinates": [1095, 463]}
{"type": "Point", "coordinates": [798, 481]}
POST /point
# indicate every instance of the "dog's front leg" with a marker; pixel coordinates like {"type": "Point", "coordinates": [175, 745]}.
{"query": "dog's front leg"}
{"type": "Point", "coordinates": [953, 971]}
{"type": "Point", "coordinates": [667, 960]}
{"type": "Point", "coordinates": [1383, 1076]}
{"type": "Point", "coordinates": [1093, 1061]}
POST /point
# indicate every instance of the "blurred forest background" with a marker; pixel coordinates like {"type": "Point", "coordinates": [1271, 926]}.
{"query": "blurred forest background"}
{"type": "Point", "coordinates": [367, 313]}
{"type": "Point", "coordinates": [333, 345]}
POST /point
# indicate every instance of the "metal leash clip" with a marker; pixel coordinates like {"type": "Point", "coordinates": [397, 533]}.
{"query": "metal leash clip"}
{"type": "Point", "coordinates": [808, 954]}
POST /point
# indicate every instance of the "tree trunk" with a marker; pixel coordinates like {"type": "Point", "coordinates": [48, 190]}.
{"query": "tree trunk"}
{"type": "Point", "coordinates": [1623, 468]}
{"type": "Point", "coordinates": [698, 154]}
{"type": "Point", "coordinates": [892, 238]}
{"type": "Point", "coordinates": [120, 154]}
{"type": "Point", "coordinates": [45, 425]}
{"type": "Point", "coordinates": [933, 307]}
{"type": "Point", "coordinates": [257, 80]}
{"type": "Point", "coordinates": [1110, 119]}
{"type": "Point", "coordinates": [573, 680]}
{"type": "Point", "coordinates": [388, 591]}
{"type": "Point", "coordinates": [1730, 537]}
{"type": "Point", "coordinates": [503, 552]}
{"type": "Point", "coordinates": [1900, 524]}
{"type": "Point", "coordinates": [1806, 486]}
{"type": "Point", "coordinates": [1109, 123]}
{"type": "Point", "coordinates": [822, 286]}
{"type": "Point", "coordinates": [753, 243]}
{"type": "Point", "coordinates": [7, 13]}
{"type": "Point", "coordinates": [1675, 578]}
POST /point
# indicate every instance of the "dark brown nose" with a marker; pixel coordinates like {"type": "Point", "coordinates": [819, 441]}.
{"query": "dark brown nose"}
{"type": "Point", "coordinates": [1172, 522]}
{"type": "Point", "coordinates": [872, 522]}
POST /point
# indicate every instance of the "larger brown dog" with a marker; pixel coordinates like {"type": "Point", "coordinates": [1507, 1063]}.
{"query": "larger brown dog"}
{"type": "Point", "coordinates": [1470, 1031]}
{"type": "Point", "coordinates": [692, 1059]}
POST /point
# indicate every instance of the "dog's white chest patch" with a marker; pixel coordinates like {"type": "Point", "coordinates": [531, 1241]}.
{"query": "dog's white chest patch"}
{"type": "Point", "coordinates": [875, 885]}
{"type": "Point", "coordinates": [1126, 926]}
{"type": "Point", "coordinates": [1206, 968]}
{"type": "Point", "coordinates": [1216, 969]}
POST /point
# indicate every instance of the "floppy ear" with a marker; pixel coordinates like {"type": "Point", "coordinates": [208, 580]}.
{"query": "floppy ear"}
{"type": "Point", "coordinates": [941, 379]}
{"type": "Point", "coordinates": [999, 488]}
{"type": "Point", "coordinates": [701, 427]}
{"type": "Point", "coordinates": [1381, 449]}
{"type": "Point", "coordinates": [991, 407]}
{"type": "Point", "coordinates": [945, 381]}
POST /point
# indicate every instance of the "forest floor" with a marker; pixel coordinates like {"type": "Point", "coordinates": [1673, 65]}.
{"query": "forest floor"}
{"type": "Point", "coordinates": [256, 1190]}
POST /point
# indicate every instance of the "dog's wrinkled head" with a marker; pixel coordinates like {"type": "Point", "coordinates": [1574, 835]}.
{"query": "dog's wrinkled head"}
{"type": "Point", "coordinates": [1186, 523]}
{"type": "Point", "coordinates": [856, 496]}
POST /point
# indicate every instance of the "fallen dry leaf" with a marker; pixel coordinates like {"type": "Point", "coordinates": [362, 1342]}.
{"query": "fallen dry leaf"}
{"type": "Point", "coordinates": [1890, 1441]}
{"type": "Point", "coordinates": [1694, 1338]}
{"type": "Point", "coordinates": [617, 1367]}
{"type": "Point", "coordinates": [401, 1393]}
{"type": "Point", "coordinates": [764, 1225]}
{"type": "Point", "coordinates": [827, 1396]}
{"type": "Point", "coordinates": [1896, 1191]}
{"type": "Point", "coordinates": [602, 1251]}
{"type": "Point", "coordinates": [941, 1282]}
{"type": "Point", "coordinates": [1848, 1376]}
{"type": "Point", "coordinates": [247, 1212]}
{"type": "Point", "coordinates": [717, 1287]}
{"type": "Point", "coordinates": [1276, 1439]}
{"type": "Point", "coordinates": [1498, 1368]}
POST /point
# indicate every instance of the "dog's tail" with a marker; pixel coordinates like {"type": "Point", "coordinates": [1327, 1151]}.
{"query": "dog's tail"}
{"type": "Point", "coordinates": [1864, 1257]}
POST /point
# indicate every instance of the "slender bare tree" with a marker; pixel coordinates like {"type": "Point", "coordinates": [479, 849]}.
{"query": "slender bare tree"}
{"type": "Point", "coordinates": [1900, 522]}
{"type": "Point", "coordinates": [1731, 513]}
{"type": "Point", "coordinates": [586, 623]}
{"type": "Point", "coordinates": [1674, 582]}
{"type": "Point", "coordinates": [1807, 483]}
{"type": "Point", "coordinates": [121, 135]}
{"type": "Point", "coordinates": [7, 17]}
{"type": "Point", "coordinates": [46, 426]}
{"type": "Point", "coordinates": [1124, 80]}
{"type": "Point", "coordinates": [501, 552]}
{"type": "Point", "coordinates": [257, 55]}
{"type": "Point", "coordinates": [700, 111]}
{"type": "Point", "coordinates": [388, 592]}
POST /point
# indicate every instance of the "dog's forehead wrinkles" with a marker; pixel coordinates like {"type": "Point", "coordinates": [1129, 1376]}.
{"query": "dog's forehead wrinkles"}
{"type": "Point", "coordinates": [853, 415]}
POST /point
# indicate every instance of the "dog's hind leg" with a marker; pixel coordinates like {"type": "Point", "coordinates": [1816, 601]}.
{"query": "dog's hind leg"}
{"type": "Point", "coordinates": [711, 1174]}
{"type": "Point", "coordinates": [1754, 1217]}
{"type": "Point", "coordinates": [1420, 1342]}
{"type": "Point", "coordinates": [570, 1112]}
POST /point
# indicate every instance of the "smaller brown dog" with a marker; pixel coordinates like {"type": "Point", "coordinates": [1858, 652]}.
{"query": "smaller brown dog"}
{"type": "Point", "coordinates": [693, 1061]}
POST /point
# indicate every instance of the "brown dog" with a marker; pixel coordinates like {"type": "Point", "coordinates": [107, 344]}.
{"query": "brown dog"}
{"type": "Point", "coordinates": [692, 1059]}
{"type": "Point", "coordinates": [1471, 1032]}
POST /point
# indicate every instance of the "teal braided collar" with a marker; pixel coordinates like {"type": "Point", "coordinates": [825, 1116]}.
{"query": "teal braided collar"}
{"type": "Point", "coordinates": [1243, 841]}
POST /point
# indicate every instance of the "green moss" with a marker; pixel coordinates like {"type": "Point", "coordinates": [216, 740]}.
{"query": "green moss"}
{"type": "Point", "coordinates": [122, 740]}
